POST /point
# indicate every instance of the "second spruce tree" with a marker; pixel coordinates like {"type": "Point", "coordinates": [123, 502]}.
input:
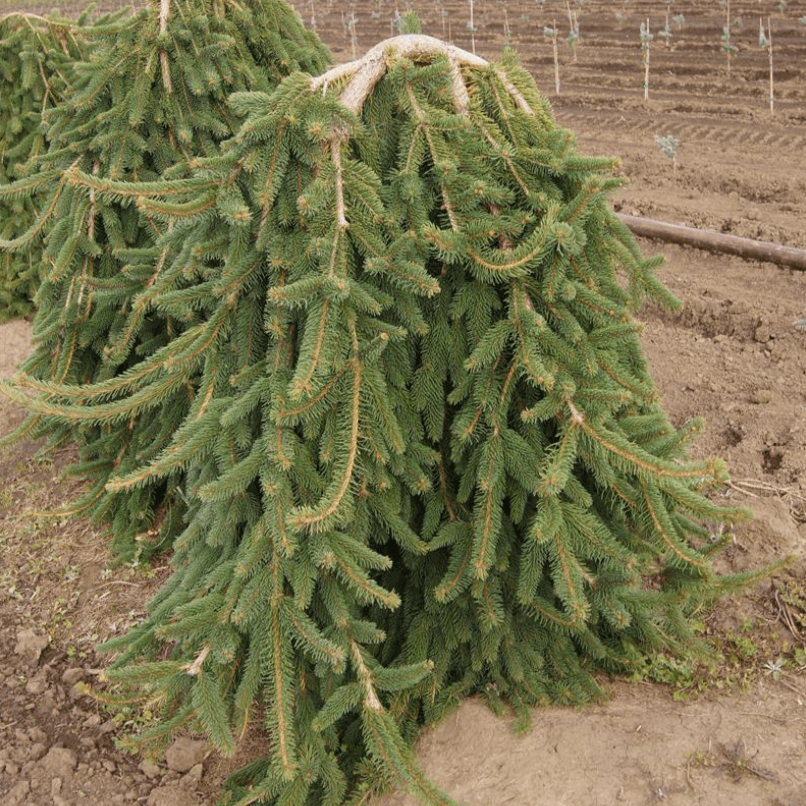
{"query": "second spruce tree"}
{"type": "Point", "coordinates": [151, 98]}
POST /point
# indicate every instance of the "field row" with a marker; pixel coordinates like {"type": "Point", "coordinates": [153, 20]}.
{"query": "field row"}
{"type": "Point", "coordinates": [607, 55]}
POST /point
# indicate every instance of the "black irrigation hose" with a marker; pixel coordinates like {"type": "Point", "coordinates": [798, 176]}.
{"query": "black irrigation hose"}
{"type": "Point", "coordinates": [717, 242]}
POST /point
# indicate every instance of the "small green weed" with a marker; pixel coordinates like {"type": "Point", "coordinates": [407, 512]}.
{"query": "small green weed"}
{"type": "Point", "coordinates": [740, 656]}
{"type": "Point", "coordinates": [733, 760]}
{"type": "Point", "coordinates": [701, 758]}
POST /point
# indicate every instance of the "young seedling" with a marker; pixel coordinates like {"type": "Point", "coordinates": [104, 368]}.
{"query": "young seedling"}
{"type": "Point", "coordinates": [573, 32]}
{"type": "Point", "coordinates": [407, 23]}
{"type": "Point", "coordinates": [774, 667]}
{"type": "Point", "coordinates": [765, 42]}
{"type": "Point", "coordinates": [729, 49]}
{"type": "Point", "coordinates": [442, 14]}
{"type": "Point", "coordinates": [679, 21]}
{"type": "Point", "coordinates": [507, 29]}
{"type": "Point", "coordinates": [668, 145]}
{"type": "Point", "coordinates": [348, 24]}
{"type": "Point", "coordinates": [646, 38]}
{"type": "Point", "coordinates": [551, 33]}
{"type": "Point", "coordinates": [353, 34]}
{"type": "Point", "coordinates": [666, 33]}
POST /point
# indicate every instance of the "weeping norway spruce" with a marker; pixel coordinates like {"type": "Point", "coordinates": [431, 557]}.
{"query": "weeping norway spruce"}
{"type": "Point", "coordinates": [423, 454]}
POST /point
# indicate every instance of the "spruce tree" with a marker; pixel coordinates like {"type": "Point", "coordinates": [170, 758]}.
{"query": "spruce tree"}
{"type": "Point", "coordinates": [36, 57]}
{"type": "Point", "coordinates": [151, 98]}
{"type": "Point", "coordinates": [425, 457]}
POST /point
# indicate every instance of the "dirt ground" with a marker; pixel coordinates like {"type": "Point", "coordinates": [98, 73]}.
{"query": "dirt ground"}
{"type": "Point", "coordinates": [733, 733]}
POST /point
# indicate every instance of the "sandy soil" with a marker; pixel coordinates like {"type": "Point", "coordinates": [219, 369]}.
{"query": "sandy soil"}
{"type": "Point", "coordinates": [732, 734]}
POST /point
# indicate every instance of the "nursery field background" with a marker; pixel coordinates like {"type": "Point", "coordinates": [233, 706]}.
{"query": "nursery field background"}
{"type": "Point", "coordinates": [733, 733]}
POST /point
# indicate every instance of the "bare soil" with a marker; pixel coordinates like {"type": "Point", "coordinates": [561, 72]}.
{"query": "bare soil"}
{"type": "Point", "coordinates": [734, 733]}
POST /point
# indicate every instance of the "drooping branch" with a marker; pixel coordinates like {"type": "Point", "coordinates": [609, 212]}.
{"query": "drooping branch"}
{"type": "Point", "coordinates": [367, 71]}
{"type": "Point", "coordinates": [335, 151]}
{"type": "Point", "coordinates": [165, 9]}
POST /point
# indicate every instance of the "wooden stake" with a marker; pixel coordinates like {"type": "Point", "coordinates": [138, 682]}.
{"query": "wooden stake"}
{"type": "Point", "coordinates": [727, 36]}
{"type": "Point", "coordinates": [472, 29]}
{"type": "Point", "coordinates": [556, 60]}
{"type": "Point", "coordinates": [769, 48]}
{"type": "Point", "coordinates": [646, 62]}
